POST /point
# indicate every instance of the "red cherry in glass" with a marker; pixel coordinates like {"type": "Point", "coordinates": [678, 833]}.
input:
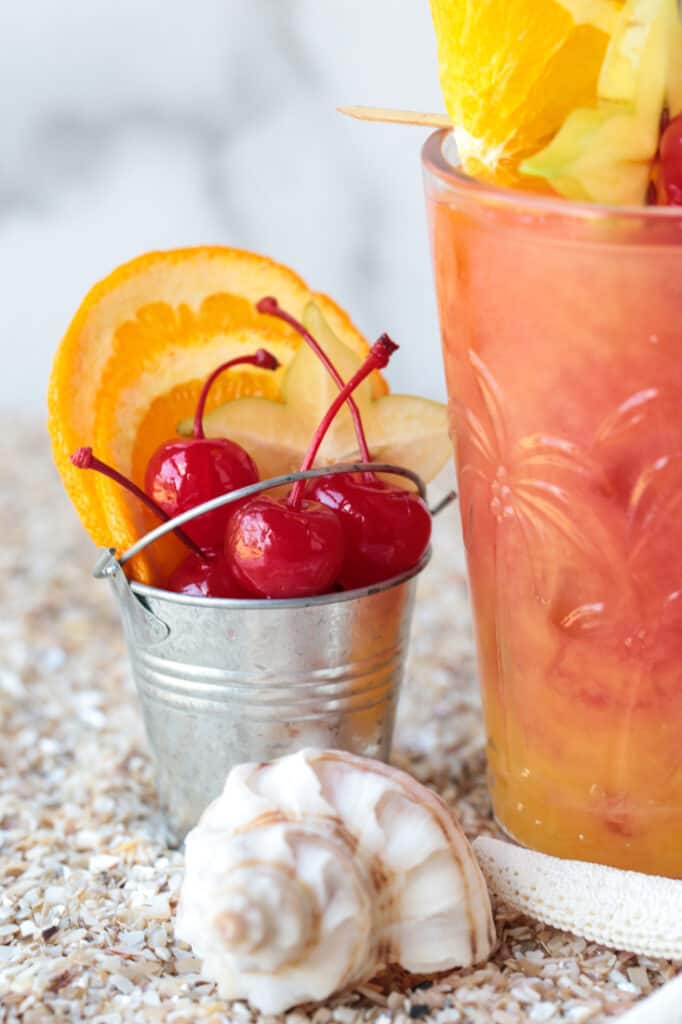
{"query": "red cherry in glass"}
{"type": "Point", "coordinates": [182, 474]}
{"type": "Point", "coordinates": [386, 529]}
{"type": "Point", "coordinates": [293, 547]}
{"type": "Point", "coordinates": [278, 551]}
{"type": "Point", "coordinates": [205, 576]}
{"type": "Point", "coordinates": [671, 161]}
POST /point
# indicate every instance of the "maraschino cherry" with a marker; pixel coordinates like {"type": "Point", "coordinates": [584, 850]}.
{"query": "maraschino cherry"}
{"type": "Point", "coordinates": [205, 575]}
{"type": "Point", "coordinates": [182, 474]}
{"type": "Point", "coordinates": [200, 573]}
{"type": "Point", "coordinates": [671, 161]}
{"type": "Point", "coordinates": [387, 529]}
{"type": "Point", "coordinates": [294, 547]}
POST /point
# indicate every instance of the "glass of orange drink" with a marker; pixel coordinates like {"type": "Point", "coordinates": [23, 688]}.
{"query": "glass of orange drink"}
{"type": "Point", "coordinates": [562, 340]}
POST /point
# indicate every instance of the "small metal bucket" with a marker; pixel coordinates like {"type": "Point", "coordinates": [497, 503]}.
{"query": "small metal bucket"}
{"type": "Point", "coordinates": [223, 681]}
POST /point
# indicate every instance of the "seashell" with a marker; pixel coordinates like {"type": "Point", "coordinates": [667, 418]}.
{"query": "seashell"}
{"type": "Point", "coordinates": [663, 1007]}
{"type": "Point", "coordinates": [312, 872]}
{"type": "Point", "coordinates": [622, 909]}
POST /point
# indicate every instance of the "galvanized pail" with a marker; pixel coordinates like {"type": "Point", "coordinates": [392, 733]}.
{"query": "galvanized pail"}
{"type": "Point", "coordinates": [225, 681]}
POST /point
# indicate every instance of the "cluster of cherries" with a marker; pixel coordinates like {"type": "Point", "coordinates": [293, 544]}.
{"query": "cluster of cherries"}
{"type": "Point", "coordinates": [670, 157]}
{"type": "Point", "coordinates": [340, 531]}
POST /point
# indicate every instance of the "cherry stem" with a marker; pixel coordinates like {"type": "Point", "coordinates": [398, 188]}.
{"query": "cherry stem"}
{"type": "Point", "coordinates": [665, 121]}
{"type": "Point", "coordinates": [83, 458]}
{"type": "Point", "coordinates": [265, 360]}
{"type": "Point", "coordinates": [379, 355]}
{"type": "Point", "coordinates": [271, 307]}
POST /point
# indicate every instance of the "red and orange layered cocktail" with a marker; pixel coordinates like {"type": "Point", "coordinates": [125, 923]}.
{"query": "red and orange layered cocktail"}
{"type": "Point", "coordinates": [562, 338]}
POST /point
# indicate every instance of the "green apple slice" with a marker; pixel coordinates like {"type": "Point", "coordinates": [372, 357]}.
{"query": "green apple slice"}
{"type": "Point", "coordinates": [402, 429]}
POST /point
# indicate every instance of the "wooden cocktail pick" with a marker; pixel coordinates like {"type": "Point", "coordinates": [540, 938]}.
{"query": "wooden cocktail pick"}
{"type": "Point", "coordinates": [388, 116]}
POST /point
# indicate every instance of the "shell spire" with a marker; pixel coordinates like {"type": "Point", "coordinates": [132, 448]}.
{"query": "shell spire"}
{"type": "Point", "coordinates": [312, 872]}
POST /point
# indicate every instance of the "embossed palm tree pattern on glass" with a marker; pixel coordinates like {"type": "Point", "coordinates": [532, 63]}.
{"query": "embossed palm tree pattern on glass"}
{"type": "Point", "coordinates": [589, 540]}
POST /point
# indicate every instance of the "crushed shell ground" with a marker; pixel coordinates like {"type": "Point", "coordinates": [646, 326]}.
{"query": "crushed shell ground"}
{"type": "Point", "coordinates": [87, 888]}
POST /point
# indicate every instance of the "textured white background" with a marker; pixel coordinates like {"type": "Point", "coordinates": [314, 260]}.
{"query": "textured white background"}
{"type": "Point", "coordinates": [147, 124]}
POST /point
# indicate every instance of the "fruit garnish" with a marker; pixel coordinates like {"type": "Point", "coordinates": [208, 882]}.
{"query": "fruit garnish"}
{"type": "Point", "coordinates": [293, 547]}
{"type": "Point", "coordinates": [511, 71]}
{"type": "Point", "coordinates": [400, 429]}
{"type": "Point", "coordinates": [605, 151]}
{"type": "Point", "coordinates": [201, 573]}
{"type": "Point", "coordinates": [182, 474]}
{"type": "Point", "coordinates": [133, 360]}
{"type": "Point", "coordinates": [84, 458]}
{"type": "Point", "coordinates": [277, 551]}
{"type": "Point", "coordinates": [671, 162]}
{"type": "Point", "coordinates": [203, 576]}
{"type": "Point", "coordinates": [386, 529]}
{"type": "Point", "coordinates": [270, 307]}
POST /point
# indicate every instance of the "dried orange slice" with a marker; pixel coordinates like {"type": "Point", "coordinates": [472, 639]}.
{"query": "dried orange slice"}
{"type": "Point", "coordinates": [131, 363]}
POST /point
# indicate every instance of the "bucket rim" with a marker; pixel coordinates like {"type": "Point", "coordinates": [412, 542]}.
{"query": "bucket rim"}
{"type": "Point", "coordinates": [144, 591]}
{"type": "Point", "coordinates": [229, 497]}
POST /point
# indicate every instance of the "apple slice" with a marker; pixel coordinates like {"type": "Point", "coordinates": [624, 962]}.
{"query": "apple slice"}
{"type": "Point", "coordinates": [606, 153]}
{"type": "Point", "coordinates": [402, 429]}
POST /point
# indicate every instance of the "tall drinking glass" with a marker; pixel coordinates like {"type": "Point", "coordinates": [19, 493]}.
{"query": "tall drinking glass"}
{"type": "Point", "coordinates": [562, 340]}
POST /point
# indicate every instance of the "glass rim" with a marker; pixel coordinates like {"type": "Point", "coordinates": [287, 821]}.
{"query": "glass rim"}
{"type": "Point", "coordinates": [438, 166]}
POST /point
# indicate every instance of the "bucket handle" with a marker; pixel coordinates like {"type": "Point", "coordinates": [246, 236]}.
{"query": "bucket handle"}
{"type": "Point", "coordinates": [147, 627]}
{"type": "Point", "coordinates": [279, 481]}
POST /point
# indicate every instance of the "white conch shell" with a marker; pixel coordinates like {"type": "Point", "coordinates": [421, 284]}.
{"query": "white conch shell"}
{"type": "Point", "coordinates": [623, 909]}
{"type": "Point", "coordinates": [310, 873]}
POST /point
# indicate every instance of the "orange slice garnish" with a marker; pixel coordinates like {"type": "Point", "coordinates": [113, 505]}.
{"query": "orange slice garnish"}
{"type": "Point", "coordinates": [132, 362]}
{"type": "Point", "coordinates": [512, 70]}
